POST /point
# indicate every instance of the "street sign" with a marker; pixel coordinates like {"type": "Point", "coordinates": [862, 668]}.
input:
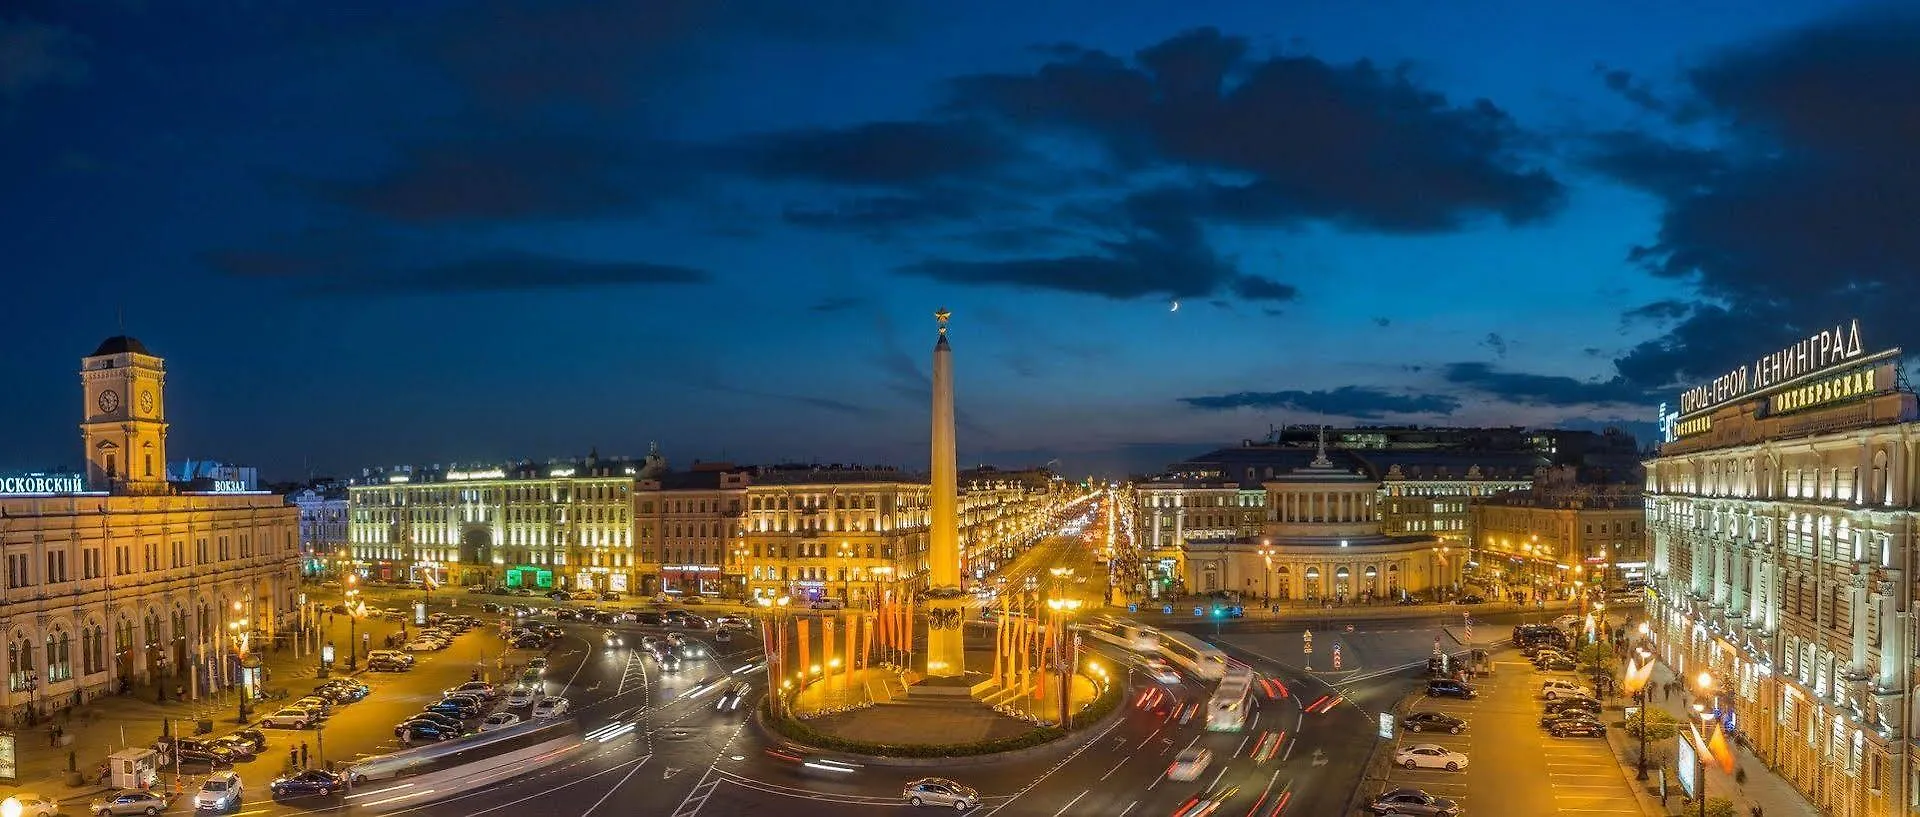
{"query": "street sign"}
{"type": "Point", "coordinates": [1168, 609]}
{"type": "Point", "coordinates": [1199, 611]}
{"type": "Point", "coordinates": [1386, 725]}
{"type": "Point", "coordinates": [1132, 607]}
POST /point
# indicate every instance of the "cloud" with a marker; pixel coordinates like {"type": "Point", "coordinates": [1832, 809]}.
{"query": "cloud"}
{"type": "Point", "coordinates": [1495, 342]}
{"type": "Point", "coordinates": [881, 216]}
{"type": "Point", "coordinates": [879, 154]}
{"type": "Point", "coordinates": [1658, 311]}
{"type": "Point", "coordinates": [1383, 322]}
{"type": "Point", "coordinates": [513, 176]}
{"type": "Point", "coordinates": [37, 55]}
{"type": "Point", "coordinates": [1804, 212]}
{"type": "Point", "coordinates": [1297, 139]}
{"type": "Point", "coordinates": [1658, 166]}
{"type": "Point", "coordinates": [1545, 390]}
{"type": "Point", "coordinates": [837, 303]}
{"type": "Point", "coordinates": [822, 403]}
{"type": "Point", "coordinates": [1361, 402]}
{"type": "Point", "coordinates": [308, 264]}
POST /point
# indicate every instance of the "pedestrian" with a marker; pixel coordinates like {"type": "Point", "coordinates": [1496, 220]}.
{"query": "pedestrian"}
{"type": "Point", "coordinates": [1755, 811]}
{"type": "Point", "coordinates": [303, 754]}
{"type": "Point", "coordinates": [293, 756]}
{"type": "Point", "coordinates": [179, 692]}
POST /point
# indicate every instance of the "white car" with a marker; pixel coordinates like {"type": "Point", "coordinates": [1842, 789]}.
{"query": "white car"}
{"type": "Point", "coordinates": [499, 720]}
{"type": "Point", "coordinates": [1189, 763]}
{"type": "Point", "coordinates": [1554, 687]}
{"type": "Point", "coordinates": [292, 717]}
{"type": "Point", "coordinates": [35, 805]}
{"type": "Point", "coordinates": [1429, 756]}
{"type": "Point", "coordinates": [521, 697]}
{"type": "Point", "coordinates": [1160, 672]}
{"type": "Point", "coordinates": [551, 708]}
{"type": "Point", "coordinates": [1566, 621]}
{"type": "Point", "coordinates": [219, 792]}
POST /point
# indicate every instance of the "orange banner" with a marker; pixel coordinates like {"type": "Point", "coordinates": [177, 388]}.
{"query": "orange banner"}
{"type": "Point", "coordinates": [826, 645]}
{"type": "Point", "coordinates": [866, 643]}
{"type": "Point", "coordinates": [800, 630]}
{"type": "Point", "coordinates": [852, 624]}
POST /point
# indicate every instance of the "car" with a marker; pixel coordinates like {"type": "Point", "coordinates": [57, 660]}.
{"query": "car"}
{"type": "Point", "coordinates": [1555, 662]}
{"type": "Point", "coordinates": [241, 748]}
{"type": "Point", "coordinates": [311, 781]}
{"type": "Point", "coordinates": [529, 642]}
{"type": "Point", "coordinates": [730, 699]}
{"type": "Point", "coordinates": [566, 614]}
{"type": "Point", "coordinates": [493, 607]}
{"type": "Point", "coordinates": [538, 664]}
{"type": "Point", "coordinates": [1570, 727]}
{"type": "Point", "coordinates": [412, 732]}
{"type": "Point", "coordinates": [129, 801]}
{"type": "Point", "coordinates": [219, 792]}
{"type": "Point", "coordinates": [499, 720]}
{"type": "Point", "coordinates": [691, 649]}
{"type": "Point", "coordinates": [1447, 687]}
{"type": "Point", "coordinates": [436, 718]}
{"type": "Point", "coordinates": [612, 638]}
{"type": "Point", "coordinates": [481, 688]}
{"type": "Point", "coordinates": [521, 697]}
{"type": "Point", "coordinates": [422, 645]}
{"type": "Point", "coordinates": [1551, 716]}
{"type": "Point", "coordinates": [695, 600]}
{"type": "Point", "coordinates": [343, 691]}
{"type": "Point", "coordinates": [35, 805]}
{"type": "Point", "coordinates": [1565, 621]}
{"type": "Point", "coordinates": [1433, 722]}
{"type": "Point", "coordinates": [551, 707]}
{"type": "Point", "coordinates": [551, 631]}
{"type": "Point", "coordinates": [395, 656]}
{"type": "Point", "coordinates": [723, 636]}
{"type": "Point", "coordinates": [469, 698]}
{"type": "Point", "coordinates": [1429, 756]}
{"type": "Point", "coordinates": [252, 736]}
{"type": "Point", "coordinates": [189, 750]}
{"type": "Point", "coordinates": [1189, 763]}
{"type": "Point", "coordinates": [1469, 599]}
{"type": "Point", "coordinates": [292, 717]}
{"type": "Point", "coordinates": [319, 706]}
{"type": "Point", "coordinates": [666, 658]}
{"type": "Point", "coordinates": [1567, 703]}
{"type": "Point", "coordinates": [939, 791]}
{"type": "Point", "coordinates": [1414, 803]}
{"type": "Point", "coordinates": [647, 618]}
{"type": "Point", "coordinates": [1555, 687]}
{"type": "Point", "coordinates": [1544, 653]}
{"type": "Point", "coordinates": [457, 707]}
{"type": "Point", "coordinates": [676, 639]}
{"type": "Point", "coordinates": [530, 678]}
{"type": "Point", "coordinates": [1162, 673]}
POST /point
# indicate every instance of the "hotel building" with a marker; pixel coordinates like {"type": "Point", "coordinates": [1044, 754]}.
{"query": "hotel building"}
{"type": "Point", "coordinates": [323, 528]}
{"type": "Point", "coordinates": [1562, 533]}
{"type": "Point", "coordinates": [690, 530]}
{"type": "Point", "coordinates": [119, 577]}
{"type": "Point", "coordinates": [1782, 508]}
{"type": "Point", "coordinates": [833, 533]}
{"type": "Point", "coordinates": [562, 524]}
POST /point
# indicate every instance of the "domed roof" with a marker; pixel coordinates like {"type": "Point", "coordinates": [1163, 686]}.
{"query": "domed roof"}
{"type": "Point", "coordinates": [120, 345]}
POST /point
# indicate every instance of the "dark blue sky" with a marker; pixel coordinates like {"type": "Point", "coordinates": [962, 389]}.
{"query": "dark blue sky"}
{"type": "Point", "coordinates": [429, 232]}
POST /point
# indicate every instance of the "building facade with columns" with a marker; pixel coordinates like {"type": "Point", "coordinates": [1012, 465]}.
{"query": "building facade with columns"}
{"type": "Point", "coordinates": [1320, 540]}
{"type": "Point", "coordinates": [1782, 508]}
{"type": "Point", "coordinates": [1562, 534]}
{"type": "Point", "coordinates": [563, 524]}
{"type": "Point", "coordinates": [119, 577]}
{"type": "Point", "coordinates": [690, 530]}
{"type": "Point", "coordinates": [834, 533]}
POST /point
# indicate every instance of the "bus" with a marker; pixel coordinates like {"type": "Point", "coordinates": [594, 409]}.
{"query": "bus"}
{"type": "Point", "coordinates": [1199, 657]}
{"type": "Point", "coordinates": [1118, 631]}
{"type": "Point", "coordinates": [519, 743]}
{"type": "Point", "coordinates": [1227, 710]}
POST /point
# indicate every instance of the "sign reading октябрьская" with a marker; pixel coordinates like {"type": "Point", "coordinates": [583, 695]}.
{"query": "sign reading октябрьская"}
{"type": "Point", "coordinates": [1821, 350]}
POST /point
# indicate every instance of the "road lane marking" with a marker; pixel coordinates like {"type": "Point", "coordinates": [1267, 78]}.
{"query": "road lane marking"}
{"type": "Point", "coordinates": [1076, 799]}
{"type": "Point", "coordinates": [1116, 767]}
{"type": "Point", "coordinates": [1123, 812]}
{"type": "Point", "coordinates": [1216, 779]}
{"type": "Point", "coordinates": [1243, 745]}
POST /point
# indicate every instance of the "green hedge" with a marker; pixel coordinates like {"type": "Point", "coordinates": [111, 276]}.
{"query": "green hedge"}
{"type": "Point", "coordinates": [800, 732]}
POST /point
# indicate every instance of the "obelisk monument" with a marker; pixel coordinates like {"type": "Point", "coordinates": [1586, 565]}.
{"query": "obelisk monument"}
{"type": "Point", "coordinates": [946, 601]}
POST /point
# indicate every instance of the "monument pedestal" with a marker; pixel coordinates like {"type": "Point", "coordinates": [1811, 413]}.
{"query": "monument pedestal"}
{"type": "Point", "coordinates": [946, 643]}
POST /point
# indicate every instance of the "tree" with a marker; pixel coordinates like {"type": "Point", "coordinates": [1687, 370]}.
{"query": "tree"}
{"type": "Point", "coordinates": [1661, 726]}
{"type": "Point", "coordinates": [1597, 660]}
{"type": "Point", "coordinates": [1719, 807]}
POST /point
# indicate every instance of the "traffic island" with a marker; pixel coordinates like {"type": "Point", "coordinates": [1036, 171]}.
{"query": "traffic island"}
{"type": "Point", "coordinates": [926, 728]}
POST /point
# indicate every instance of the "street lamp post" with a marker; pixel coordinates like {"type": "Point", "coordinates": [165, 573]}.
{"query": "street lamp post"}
{"type": "Point", "coordinates": [1705, 684]}
{"type": "Point", "coordinates": [1062, 611]}
{"type": "Point", "coordinates": [238, 634]}
{"type": "Point", "coordinates": [846, 573]}
{"type": "Point", "coordinates": [32, 682]}
{"type": "Point", "coordinates": [352, 603]}
{"type": "Point", "coordinates": [1266, 554]}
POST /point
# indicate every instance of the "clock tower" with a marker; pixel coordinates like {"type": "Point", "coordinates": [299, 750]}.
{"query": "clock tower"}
{"type": "Point", "coordinates": [125, 431]}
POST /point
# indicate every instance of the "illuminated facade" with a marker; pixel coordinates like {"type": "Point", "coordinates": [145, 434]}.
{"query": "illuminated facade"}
{"type": "Point", "coordinates": [559, 525]}
{"type": "Point", "coordinates": [323, 527]}
{"type": "Point", "coordinates": [1560, 534]}
{"type": "Point", "coordinates": [1782, 513]}
{"type": "Point", "coordinates": [834, 533]}
{"type": "Point", "coordinates": [122, 577]}
{"type": "Point", "coordinates": [690, 529]}
{"type": "Point", "coordinates": [1320, 540]}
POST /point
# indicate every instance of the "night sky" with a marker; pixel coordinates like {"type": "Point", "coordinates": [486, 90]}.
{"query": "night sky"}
{"type": "Point", "coordinates": [434, 232]}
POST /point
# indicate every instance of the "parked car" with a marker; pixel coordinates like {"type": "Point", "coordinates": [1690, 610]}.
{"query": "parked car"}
{"type": "Point", "coordinates": [1570, 727]}
{"type": "Point", "coordinates": [1549, 719]}
{"type": "Point", "coordinates": [129, 801]}
{"type": "Point", "coordinates": [521, 697]}
{"type": "Point", "coordinates": [189, 750]}
{"type": "Point", "coordinates": [1447, 687]}
{"type": "Point", "coordinates": [219, 792]}
{"type": "Point", "coordinates": [1469, 599]}
{"type": "Point", "coordinates": [456, 707]}
{"type": "Point", "coordinates": [1189, 764]}
{"type": "Point", "coordinates": [243, 749]}
{"type": "Point", "coordinates": [538, 664]}
{"type": "Point", "coordinates": [310, 781]}
{"type": "Point", "coordinates": [1555, 662]}
{"type": "Point", "coordinates": [1566, 703]}
{"type": "Point", "coordinates": [551, 708]}
{"type": "Point", "coordinates": [1413, 802]}
{"type": "Point", "coordinates": [1429, 756]}
{"type": "Point", "coordinates": [412, 732]}
{"type": "Point", "coordinates": [1433, 722]}
{"type": "Point", "coordinates": [499, 720]}
{"type": "Point", "coordinates": [316, 704]}
{"type": "Point", "coordinates": [1555, 687]}
{"type": "Point", "coordinates": [292, 717]}
{"type": "Point", "coordinates": [252, 736]}
{"type": "Point", "coordinates": [395, 656]}
{"type": "Point", "coordinates": [529, 642]}
{"type": "Point", "coordinates": [482, 688]}
{"type": "Point", "coordinates": [939, 791]}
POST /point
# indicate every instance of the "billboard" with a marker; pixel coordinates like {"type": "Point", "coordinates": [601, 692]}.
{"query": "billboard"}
{"type": "Point", "coordinates": [1686, 764]}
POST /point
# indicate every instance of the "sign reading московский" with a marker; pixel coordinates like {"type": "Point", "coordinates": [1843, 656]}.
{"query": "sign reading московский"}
{"type": "Point", "coordinates": [1828, 347]}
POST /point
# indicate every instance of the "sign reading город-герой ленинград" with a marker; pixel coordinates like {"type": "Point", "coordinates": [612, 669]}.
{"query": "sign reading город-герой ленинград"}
{"type": "Point", "coordinates": [1821, 350]}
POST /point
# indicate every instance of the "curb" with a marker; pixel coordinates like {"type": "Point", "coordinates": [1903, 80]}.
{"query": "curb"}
{"type": "Point", "coordinates": [1064, 742]}
{"type": "Point", "coordinates": [1375, 765]}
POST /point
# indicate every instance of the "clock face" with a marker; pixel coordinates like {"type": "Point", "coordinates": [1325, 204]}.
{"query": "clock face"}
{"type": "Point", "coordinates": [146, 402]}
{"type": "Point", "coordinates": [109, 401]}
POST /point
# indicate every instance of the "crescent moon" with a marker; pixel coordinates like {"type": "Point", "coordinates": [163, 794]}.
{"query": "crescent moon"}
{"type": "Point", "coordinates": [1176, 307]}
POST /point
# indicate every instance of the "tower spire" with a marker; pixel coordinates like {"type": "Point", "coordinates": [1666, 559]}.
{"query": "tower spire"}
{"type": "Point", "coordinates": [1320, 458]}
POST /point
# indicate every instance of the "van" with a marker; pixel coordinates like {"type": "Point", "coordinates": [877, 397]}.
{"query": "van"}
{"type": "Point", "coordinates": [1555, 687]}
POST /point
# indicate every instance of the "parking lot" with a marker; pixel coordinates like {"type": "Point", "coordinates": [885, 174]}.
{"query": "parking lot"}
{"type": "Point", "coordinates": [1514, 766]}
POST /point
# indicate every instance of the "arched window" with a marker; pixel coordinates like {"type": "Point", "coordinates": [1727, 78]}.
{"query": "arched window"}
{"type": "Point", "coordinates": [19, 661]}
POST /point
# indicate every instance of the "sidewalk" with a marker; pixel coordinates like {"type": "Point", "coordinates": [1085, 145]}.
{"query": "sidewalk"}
{"type": "Point", "coordinates": [109, 723]}
{"type": "Point", "coordinates": [1773, 794]}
